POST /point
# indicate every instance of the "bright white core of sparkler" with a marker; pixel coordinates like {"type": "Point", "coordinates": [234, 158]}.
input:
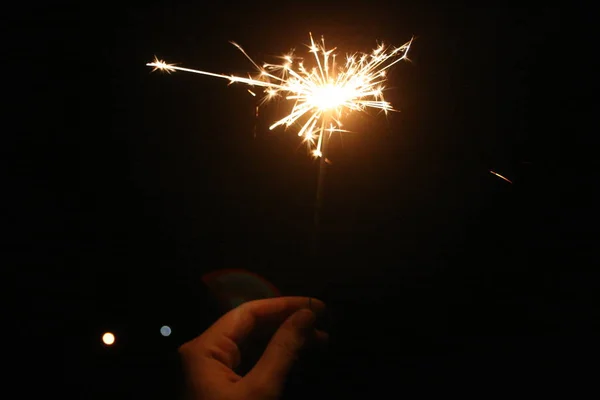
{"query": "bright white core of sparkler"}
{"type": "Point", "coordinates": [323, 94]}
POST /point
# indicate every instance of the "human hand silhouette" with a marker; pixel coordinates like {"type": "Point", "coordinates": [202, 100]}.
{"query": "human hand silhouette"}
{"type": "Point", "coordinates": [209, 360]}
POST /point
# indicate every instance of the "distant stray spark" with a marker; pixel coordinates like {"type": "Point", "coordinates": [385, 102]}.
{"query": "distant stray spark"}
{"type": "Point", "coordinates": [321, 93]}
{"type": "Point", "coordinates": [500, 176]}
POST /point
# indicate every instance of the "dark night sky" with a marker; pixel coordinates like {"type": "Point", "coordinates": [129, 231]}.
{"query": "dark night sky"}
{"type": "Point", "coordinates": [129, 185]}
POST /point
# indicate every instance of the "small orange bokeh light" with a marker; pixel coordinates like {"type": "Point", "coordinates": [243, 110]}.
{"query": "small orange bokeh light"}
{"type": "Point", "coordinates": [108, 338]}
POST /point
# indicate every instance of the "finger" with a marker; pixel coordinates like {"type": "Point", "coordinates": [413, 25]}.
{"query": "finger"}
{"type": "Point", "coordinates": [216, 351]}
{"type": "Point", "coordinates": [281, 353]}
{"type": "Point", "coordinates": [239, 322]}
{"type": "Point", "coordinates": [321, 336]}
{"type": "Point", "coordinates": [208, 364]}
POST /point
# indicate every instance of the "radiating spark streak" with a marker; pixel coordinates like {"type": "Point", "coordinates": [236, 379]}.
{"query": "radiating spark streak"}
{"type": "Point", "coordinates": [500, 176]}
{"type": "Point", "coordinates": [158, 64]}
{"type": "Point", "coordinates": [320, 94]}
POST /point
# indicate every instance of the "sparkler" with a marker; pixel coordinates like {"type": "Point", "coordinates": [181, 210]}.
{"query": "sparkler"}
{"type": "Point", "coordinates": [322, 94]}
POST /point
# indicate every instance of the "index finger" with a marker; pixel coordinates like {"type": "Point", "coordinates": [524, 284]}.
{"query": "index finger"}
{"type": "Point", "coordinates": [239, 322]}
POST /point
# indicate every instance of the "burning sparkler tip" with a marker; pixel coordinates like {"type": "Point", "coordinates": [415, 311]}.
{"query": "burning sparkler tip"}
{"type": "Point", "coordinates": [321, 94]}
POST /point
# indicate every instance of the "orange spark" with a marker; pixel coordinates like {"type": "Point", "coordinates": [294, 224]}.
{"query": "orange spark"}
{"type": "Point", "coordinates": [500, 176]}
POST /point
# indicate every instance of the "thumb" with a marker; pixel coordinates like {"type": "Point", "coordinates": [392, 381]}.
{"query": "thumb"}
{"type": "Point", "coordinates": [282, 351]}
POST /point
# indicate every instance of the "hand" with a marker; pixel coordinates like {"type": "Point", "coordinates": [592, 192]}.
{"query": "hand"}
{"type": "Point", "coordinates": [209, 360]}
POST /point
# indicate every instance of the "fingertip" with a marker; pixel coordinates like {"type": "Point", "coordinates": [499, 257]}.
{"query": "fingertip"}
{"type": "Point", "coordinates": [303, 318]}
{"type": "Point", "coordinates": [316, 305]}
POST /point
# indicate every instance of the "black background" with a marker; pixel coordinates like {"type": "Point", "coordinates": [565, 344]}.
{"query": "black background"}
{"type": "Point", "coordinates": [126, 186]}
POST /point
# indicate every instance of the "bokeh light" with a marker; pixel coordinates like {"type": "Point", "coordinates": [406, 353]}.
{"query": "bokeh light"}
{"type": "Point", "coordinates": [108, 338]}
{"type": "Point", "coordinates": [165, 330]}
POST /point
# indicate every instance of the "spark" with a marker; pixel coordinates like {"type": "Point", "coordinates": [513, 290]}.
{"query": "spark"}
{"type": "Point", "coordinates": [161, 65]}
{"type": "Point", "coordinates": [322, 94]}
{"type": "Point", "coordinates": [500, 176]}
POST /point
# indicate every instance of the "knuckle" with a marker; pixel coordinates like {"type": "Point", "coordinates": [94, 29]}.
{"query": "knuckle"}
{"type": "Point", "coordinates": [183, 349]}
{"type": "Point", "coordinates": [287, 347]}
{"type": "Point", "coordinates": [187, 348]}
